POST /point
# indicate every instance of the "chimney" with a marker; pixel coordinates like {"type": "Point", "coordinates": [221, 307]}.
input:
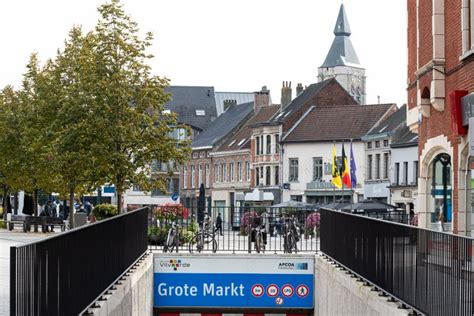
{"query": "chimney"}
{"type": "Point", "coordinates": [228, 103]}
{"type": "Point", "coordinates": [285, 93]}
{"type": "Point", "coordinates": [299, 89]}
{"type": "Point", "coordinates": [261, 98]}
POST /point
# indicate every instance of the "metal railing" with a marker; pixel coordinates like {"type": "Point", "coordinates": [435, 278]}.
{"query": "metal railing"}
{"type": "Point", "coordinates": [64, 274]}
{"type": "Point", "coordinates": [238, 225]}
{"type": "Point", "coordinates": [430, 271]}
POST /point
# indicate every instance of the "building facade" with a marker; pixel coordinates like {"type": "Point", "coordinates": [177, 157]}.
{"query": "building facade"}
{"type": "Point", "coordinates": [440, 79]}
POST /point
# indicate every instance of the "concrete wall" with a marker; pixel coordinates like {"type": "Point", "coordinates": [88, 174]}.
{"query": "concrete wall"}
{"type": "Point", "coordinates": [134, 296]}
{"type": "Point", "coordinates": [339, 294]}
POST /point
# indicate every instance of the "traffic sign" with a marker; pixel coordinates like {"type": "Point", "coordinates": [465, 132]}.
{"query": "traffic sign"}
{"type": "Point", "coordinates": [257, 290]}
{"type": "Point", "coordinates": [272, 290]}
{"type": "Point", "coordinates": [302, 290]}
{"type": "Point", "coordinates": [287, 290]}
{"type": "Point", "coordinates": [175, 196]}
{"type": "Point", "coordinates": [279, 301]}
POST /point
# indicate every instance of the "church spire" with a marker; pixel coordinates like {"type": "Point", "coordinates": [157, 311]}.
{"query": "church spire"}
{"type": "Point", "coordinates": [341, 52]}
{"type": "Point", "coordinates": [342, 24]}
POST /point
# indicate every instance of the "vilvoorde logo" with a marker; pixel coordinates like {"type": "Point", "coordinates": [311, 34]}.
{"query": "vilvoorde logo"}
{"type": "Point", "coordinates": [174, 264]}
{"type": "Point", "coordinates": [293, 266]}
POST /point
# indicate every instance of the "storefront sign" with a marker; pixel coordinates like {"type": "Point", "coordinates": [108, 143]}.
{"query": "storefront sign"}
{"type": "Point", "coordinates": [234, 282]}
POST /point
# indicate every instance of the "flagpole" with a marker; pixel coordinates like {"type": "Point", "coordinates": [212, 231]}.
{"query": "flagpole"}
{"type": "Point", "coordinates": [350, 168]}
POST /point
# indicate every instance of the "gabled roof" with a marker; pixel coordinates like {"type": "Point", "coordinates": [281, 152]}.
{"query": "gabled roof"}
{"type": "Point", "coordinates": [186, 100]}
{"type": "Point", "coordinates": [341, 52]}
{"type": "Point", "coordinates": [391, 123]}
{"type": "Point", "coordinates": [337, 123]}
{"type": "Point", "coordinates": [404, 138]}
{"type": "Point", "coordinates": [239, 97]}
{"type": "Point", "coordinates": [223, 125]}
{"type": "Point", "coordinates": [241, 138]}
{"type": "Point", "coordinates": [300, 100]}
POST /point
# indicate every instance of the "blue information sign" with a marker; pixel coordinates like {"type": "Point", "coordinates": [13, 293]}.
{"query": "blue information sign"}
{"type": "Point", "coordinates": [234, 282]}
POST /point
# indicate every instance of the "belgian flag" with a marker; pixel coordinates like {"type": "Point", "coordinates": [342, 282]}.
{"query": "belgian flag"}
{"type": "Point", "coordinates": [345, 174]}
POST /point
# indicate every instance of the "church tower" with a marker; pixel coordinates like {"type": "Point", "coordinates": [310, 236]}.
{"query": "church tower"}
{"type": "Point", "coordinates": [342, 63]}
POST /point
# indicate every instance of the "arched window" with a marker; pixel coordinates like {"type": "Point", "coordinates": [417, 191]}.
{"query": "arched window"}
{"type": "Point", "coordinates": [441, 192]}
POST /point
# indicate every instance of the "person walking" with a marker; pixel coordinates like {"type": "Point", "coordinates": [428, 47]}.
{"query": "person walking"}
{"type": "Point", "coordinates": [219, 224]}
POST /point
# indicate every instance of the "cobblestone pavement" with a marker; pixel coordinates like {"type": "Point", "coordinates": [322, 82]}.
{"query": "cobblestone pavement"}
{"type": "Point", "coordinates": [8, 239]}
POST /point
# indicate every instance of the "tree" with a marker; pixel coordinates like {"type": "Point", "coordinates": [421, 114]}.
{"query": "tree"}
{"type": "Point", "coordinates": [135, 128]}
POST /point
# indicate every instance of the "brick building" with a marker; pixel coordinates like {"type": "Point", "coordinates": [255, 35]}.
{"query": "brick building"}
{"type": "Point", "coordinates": [440, 79]}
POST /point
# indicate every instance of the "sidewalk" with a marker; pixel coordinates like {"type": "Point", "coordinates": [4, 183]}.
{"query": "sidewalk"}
{"type": "Point", "coordinates": [8, 239]}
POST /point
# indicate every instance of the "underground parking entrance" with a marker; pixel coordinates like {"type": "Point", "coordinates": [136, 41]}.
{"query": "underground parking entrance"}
{"type": "Point", "coordinates": [249, 285]}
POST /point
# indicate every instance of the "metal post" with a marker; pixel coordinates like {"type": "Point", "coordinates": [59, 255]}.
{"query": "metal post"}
{"type": "Point", "coordinates": [13, 283]}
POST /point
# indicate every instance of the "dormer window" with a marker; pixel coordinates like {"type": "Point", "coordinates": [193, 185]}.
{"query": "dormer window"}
{"type": "Point", "coordinates": [200, 112]}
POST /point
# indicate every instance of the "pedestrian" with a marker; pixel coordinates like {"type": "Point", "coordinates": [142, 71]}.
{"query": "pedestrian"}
{"type": "Point", "coordinates": [48, 212]}
{"type": "Point", "coordinates": [88, 208]}
{"type": "Point", "coordinates": [219, 224]}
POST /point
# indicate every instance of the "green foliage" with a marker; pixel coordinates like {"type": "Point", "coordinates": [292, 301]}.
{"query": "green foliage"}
{"type": "Point", "coordinates": [103, 211]}
{"type": "Point", "coordinates": [3, 224]}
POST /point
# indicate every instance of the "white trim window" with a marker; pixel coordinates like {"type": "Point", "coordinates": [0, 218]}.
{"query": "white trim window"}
{"type": "Point", "coordinates": [193, 176]}
{"type": "Point", "coordinates": [216, 173]}
{"type": "Point", "coordinates": [239, 170]}
{"type": "Point", "coordinates": [185, 177]}
{"type": "Point", "coordinates": [247, 170]}
{"type": "Point", "coordinates": [199, 175]}
{"type": "Point", "coordinates": [467, 25]}
{"type": "Point", "coordinates": [293, 174]}
{"type": "Point", "coordinates": [207, 175]}
{"type": "Point", "coordinates": [231, 171]}
{"type": "Point", "coordinates": [224, 172]}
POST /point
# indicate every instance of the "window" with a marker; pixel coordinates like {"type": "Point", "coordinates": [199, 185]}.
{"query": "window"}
{"type": "Point", "coordinates": [467, 20]}
{"type": "Point", "coordinates": [261, 145]}
{"type": "Point", "coordinates": [369, 167]}
{"type": "Point", "coordinates": [156, 192]}
{"type": "Point", "coordinates": [397, 173]}
{"type": "Point", "coordinates": [185, 177]}
{"type": "Point", "coordinates": [199, 175]}
{"type": "Point", "coordinates": [277, 143]}
{"type": "Point", "coordinates": [277, 175]}
{"type": "Point", "coordinates": [258, 146]}
{"type": "Point", "coordinates": [239, 171]}
{"type": "Point", "coordinates": [193, 177]}
{"type": "Point", "coordinates": [231, 171]}
{"type": "Point", "coordinates": [207, 175]}
{"type": "Point", "coordinates": [385, 165]}
{"type": "Point", "coordinates": [247, 170]}
{"type": "Point", "coordinates": [200, 112]}
{"type": "Point", "coordinates": [385, 143]}
{"type": "Point", "coordinates": [216, 173]}
{"type": "Point", "coordinates": [377, 144]}
{"type": "Point", "coordinates": [221, 173]}
{"type": "Point", "coordinates": [136, 188]}
{"type": "Point", "coordinates": [405, 172]}
{"type": "Point", "coordinates": [268, 176]}
{"type": "Point", "coordinates": [257, 176]}
{"type": "Point", "coordinates": [377, 166]}
{"type": "Point", "coordinates": [225, 176]}
{"type": "Point", "coordinates": [269, 144]}
{"type": "Point", "coordinates": [415, 172]}
{"type": "Point", "coordinates": [293, 163]}
{"type": "Point", "coordinates": [317, 168]}
{"type": "Point", "coordinates": [369, 145]}
{"type": "Point", "coordinates": [297, 198]}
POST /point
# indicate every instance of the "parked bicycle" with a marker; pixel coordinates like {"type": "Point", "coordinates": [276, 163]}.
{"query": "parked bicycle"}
{"type": "Point", "coordinates": [258, 233]}
{"type": "Point", "coordinates": [290, 235]}
{"type": "Point", "coordinates": [172, 239]}
{"type": "Point", "coordinates": [204, 239]}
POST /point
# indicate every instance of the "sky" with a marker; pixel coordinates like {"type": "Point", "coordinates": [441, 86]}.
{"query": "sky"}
{"type": "Point", "coordinates": [233, 45]}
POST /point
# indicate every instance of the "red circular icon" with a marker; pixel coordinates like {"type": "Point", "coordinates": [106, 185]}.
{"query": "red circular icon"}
{"type": "Point", "coordinates": [257, 290]}
{"type": "Point", "coordinates": [272, 290]}
{"type": "Point", "coordinates": [287, 290]}
{"type": "Point", "coordinates": [302, 290]}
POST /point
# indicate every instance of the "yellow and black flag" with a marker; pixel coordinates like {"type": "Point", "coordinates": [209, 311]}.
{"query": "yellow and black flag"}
{"type": "Point", "coordinates": [336, 177]}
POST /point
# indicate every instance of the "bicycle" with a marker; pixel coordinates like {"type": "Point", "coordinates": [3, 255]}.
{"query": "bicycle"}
{"type": "Point", "coordinates": [259, 239]}
{"type": "Point", "coordinates": [172, 239]}
{"type": "Point", "coordinates": [203, 239]}
{"type": "Point", "coordinates": [290, 237]}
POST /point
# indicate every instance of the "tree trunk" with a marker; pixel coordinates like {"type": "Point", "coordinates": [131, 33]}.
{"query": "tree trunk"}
{"type": "Point", "coordinates": [71, 208]}
{"type": "Point", "coordinates": [119, 202]}
{"type": "Point", "coordinates": [35, 206]}
{"type": "Point", "coordinates": [5, 204]}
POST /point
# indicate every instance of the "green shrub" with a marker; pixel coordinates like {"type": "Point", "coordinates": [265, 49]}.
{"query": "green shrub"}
{"type": "Point", "coordinates": [103, 211]}
{"type": "Point", "coordinates": [3, 224]}
{"type": "Point", "coordinates": [157, 236]}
